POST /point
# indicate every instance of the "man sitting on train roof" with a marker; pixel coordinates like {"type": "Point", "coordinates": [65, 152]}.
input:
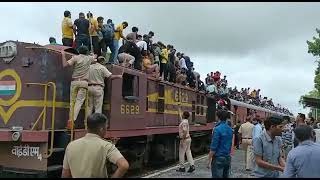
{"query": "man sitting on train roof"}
{"type": "Point", "coordinates": [216, 76]}
{"type": "Point", "coordinates": [53, 41]}
{"type": "Point", "coordinates": [212, 89]}
{"type": "Point", "coordinates": [132, 49]}
{"type": "Point", "coordinates": [181, 78]}
{"type": "Point", "coordinates": [150, 68]}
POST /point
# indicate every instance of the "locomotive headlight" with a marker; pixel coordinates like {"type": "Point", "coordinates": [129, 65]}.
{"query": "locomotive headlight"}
{"type": "Point", "coordinates": [16, 136]}
{"type": "Point", "coordinates": [16, 133]}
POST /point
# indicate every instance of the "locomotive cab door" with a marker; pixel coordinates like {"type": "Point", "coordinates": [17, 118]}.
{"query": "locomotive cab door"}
{"type": "Point", "coordinates": [127, 100]}
{"type": "Point", "coordinates": [211, 110]}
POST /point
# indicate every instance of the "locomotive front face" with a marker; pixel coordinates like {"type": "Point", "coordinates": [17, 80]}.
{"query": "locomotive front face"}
{"type": "Point", "coordinates": [25, 93]}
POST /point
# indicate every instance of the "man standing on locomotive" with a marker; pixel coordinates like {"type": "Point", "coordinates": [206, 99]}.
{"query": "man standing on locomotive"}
{"type": "Point", "coordinates": [80, 75]}
{"type": "Point", "coordinates": [97, 75]}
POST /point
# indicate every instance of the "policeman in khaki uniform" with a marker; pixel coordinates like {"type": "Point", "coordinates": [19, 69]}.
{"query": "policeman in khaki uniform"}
{"type": "Point", "coordinates": [87, 157]}
{"type": "Point", "coordinates": [185, 143]}
{"type": "Point", "coordinates": [97, 75]}
{"type": "Point", "coordinates": [80, 75]}
{"type": "Point", "coordinates": [245, 132]}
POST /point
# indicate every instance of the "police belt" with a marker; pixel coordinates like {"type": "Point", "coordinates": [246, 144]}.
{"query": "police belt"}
{"type": "Point", "coordinates": [95, 85]}
{"type": "Point", "coordinates": [79, 79]}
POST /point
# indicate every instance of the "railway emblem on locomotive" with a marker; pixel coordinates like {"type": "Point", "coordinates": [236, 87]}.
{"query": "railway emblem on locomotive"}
{"type": "Point", "coordinates": [10, 87]}
{"type": "Point", "coordinates": [8, 51]}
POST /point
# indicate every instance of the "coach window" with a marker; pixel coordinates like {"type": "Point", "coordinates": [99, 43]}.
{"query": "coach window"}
{"type": "Point", "coordinates": [130, 85]}
{"type": "Point", "coordinates": [198, 99]}
{"type": "Point", "coordinates": [248, 112]}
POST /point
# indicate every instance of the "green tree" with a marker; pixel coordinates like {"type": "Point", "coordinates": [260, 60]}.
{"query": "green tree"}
{"type": "Point", "coordinates": [314, 49]}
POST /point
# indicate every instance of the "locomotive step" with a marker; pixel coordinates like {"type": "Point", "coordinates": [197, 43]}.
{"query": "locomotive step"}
{"type": "Point", "coordinates": [56, 150]}
{"type": "Point", "coordinates": [54, 168]}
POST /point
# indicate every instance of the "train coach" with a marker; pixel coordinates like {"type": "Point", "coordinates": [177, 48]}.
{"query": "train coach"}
{"type": "Point", "coordinates": [143, 112]}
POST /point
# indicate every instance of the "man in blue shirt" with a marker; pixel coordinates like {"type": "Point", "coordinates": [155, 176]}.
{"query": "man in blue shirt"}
{"type": "Point", "coordinates": [303, 161]}
{"type": "Point", "coordinates": [267, 149]}
{"type": "Point", "coordinates": [256, 132]}
{"type": "Point", "coordinates": [220, 148]}
{"type": "Point", "coordinates": [257, 129]}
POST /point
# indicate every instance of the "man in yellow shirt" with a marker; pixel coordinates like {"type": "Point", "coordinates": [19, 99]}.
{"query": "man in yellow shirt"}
{"type": "Point", "coordinates": [253, 94]}
{"type": "Point", "coordinates": [94, 28]}
{"type": "Point", "coordinates": [163, 60]}
{"type": "Point", "coordinates": [118, 34]}
{"type": "Point", "coordinates": [67, 29]}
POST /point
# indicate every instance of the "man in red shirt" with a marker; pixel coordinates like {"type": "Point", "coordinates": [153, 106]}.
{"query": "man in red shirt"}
{"type": "Point", "coordinates": [216, 76]}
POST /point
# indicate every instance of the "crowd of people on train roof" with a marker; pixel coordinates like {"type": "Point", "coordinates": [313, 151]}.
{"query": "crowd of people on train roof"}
{"type": "Point", "coordinates": [157, 59]}
{"type": "Point", "coordinates": [219, 86]}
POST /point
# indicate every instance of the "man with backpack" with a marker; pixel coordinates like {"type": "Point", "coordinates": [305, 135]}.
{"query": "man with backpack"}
{"type": "Point", "coordinates": [106, 35]}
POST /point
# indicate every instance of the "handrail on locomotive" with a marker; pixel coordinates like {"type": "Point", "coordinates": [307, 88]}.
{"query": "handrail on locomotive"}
{"type": "Point", "coordinates": [44, 112]}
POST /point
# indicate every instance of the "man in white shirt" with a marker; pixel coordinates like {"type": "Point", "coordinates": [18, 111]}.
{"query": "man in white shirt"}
{"type": "Point", "coordinates": [143, 46]}
{"type": "Point", "coordinates": [182, 62]}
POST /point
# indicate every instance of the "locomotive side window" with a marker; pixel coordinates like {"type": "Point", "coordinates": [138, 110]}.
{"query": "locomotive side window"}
{"type": "Point", "coordinates": [193, 116]}
{"type": "Point", "coordinates": [202, 100]}
{"type": "Point", "coordinates": [211, 103]}
{"type": "Point", "coordinates": [161, 98]}
{"type": "Point", "coordinates": [198, 110]}
{"type": "Point", "coordinates": [130, 85]}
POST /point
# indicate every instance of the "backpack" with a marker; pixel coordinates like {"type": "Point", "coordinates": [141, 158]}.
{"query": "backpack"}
{"type": "Point", "coordinates": [189, 64]}
{"type": "Point", "coordinates": [107, 32]}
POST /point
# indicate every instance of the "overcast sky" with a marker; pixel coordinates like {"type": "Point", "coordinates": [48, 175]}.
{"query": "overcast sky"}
{"type": "Point", "coordinates": [257, 45]}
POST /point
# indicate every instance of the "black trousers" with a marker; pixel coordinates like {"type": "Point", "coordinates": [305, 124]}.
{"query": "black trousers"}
{"type": "Point", "coordinates": [137, 63]}
{"type": "Point", "coordinates": [104, 44]}
{"type": "Point", "coordinates": [96, 46]}
{"type": "Point", "coordinates": [163, 70]}
{"type": "Point", "coordinates": [83, 40]}
{"type": "Point", "coordinates": [171, 72]}
{"type": "Point", "coordinates": [67, 42]}
{"type": "Point", "coordinates": [236, 140]}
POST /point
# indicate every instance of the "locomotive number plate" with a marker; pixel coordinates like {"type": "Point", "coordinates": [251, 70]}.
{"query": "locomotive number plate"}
{"type": "Point", "coordinates": [129, 109]}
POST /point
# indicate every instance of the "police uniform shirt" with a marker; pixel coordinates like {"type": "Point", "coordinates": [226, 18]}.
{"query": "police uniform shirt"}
{"type": "Point", "coordinates": [87, 157]}
{"type": "Point", "coordinates": [98, 73]}
{"type": "Point", "coordinates": [81, 64]}
{"type": "Point", "coordinates": [246, 130]}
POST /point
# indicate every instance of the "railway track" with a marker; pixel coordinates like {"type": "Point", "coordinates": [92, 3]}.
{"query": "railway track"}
{"type": "Point", "coordinates": [150, 172]}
